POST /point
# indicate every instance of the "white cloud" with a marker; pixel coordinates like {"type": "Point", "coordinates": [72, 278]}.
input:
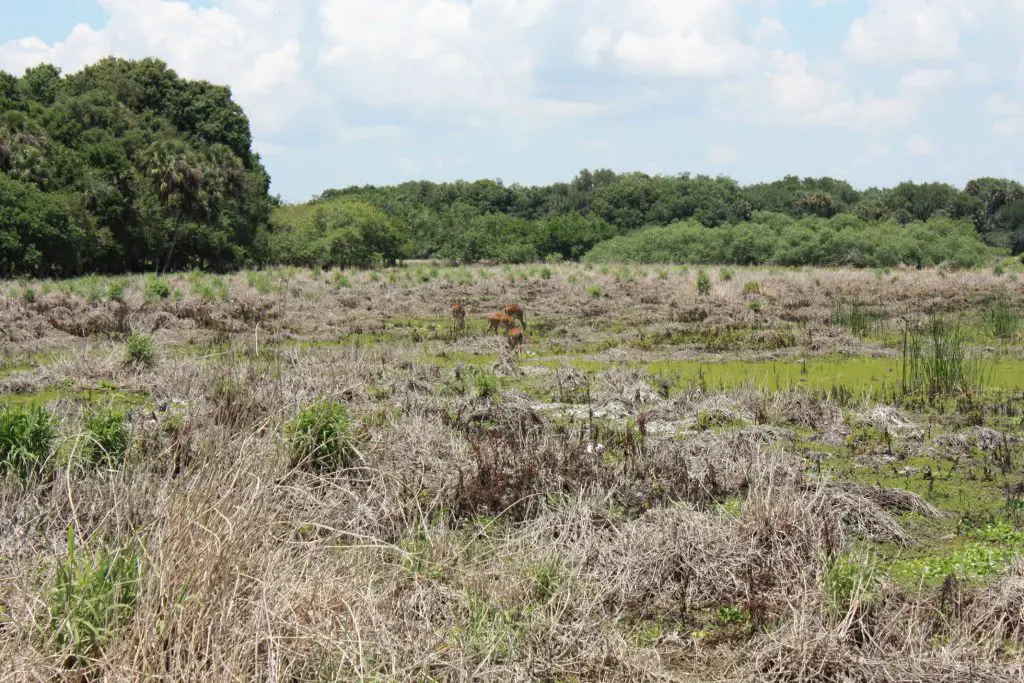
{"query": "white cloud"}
{"type": "Point", "coordinates": [722, 155]}
{"type": "Point", "coordinates": [907, 30]}
{"type": "Point", "coordinates": [1007, 115]}
{"type": "Point", "coordinates": [921, 146]}
{"type": "Point", "coordinates": [926, 81]}
{"type": "Point", "coordinates": [252, 46]}
{"type": "Point", "coordinates": [790, 93]}
{"type": "Point", "coordinates": [593, 45]}
{"type": "Point", "coordinates": [697, 38]}
{"type": "Point", "coordinates": [769, 30]}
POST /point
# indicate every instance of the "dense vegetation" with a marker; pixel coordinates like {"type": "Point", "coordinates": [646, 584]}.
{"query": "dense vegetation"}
{"type": "Point", "coordinates": [790, 221]}
{"type": "Point", "coordinates": [124, 166]}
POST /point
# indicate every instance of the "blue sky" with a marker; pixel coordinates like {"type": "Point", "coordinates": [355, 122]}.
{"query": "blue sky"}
{"type": "Point", "coordinates": [379, 91]}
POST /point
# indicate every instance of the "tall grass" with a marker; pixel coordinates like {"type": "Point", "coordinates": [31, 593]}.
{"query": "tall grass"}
{"type": "Point", "coordinates": [855, 316]}
{"type": "Point", "coordinates": [936, 360]}
{"type": "Point", "coordinates": [27, 435]}
{"type": "Point", "coordinates": [1001, 317]}
{"type": "Point", "coordinates": [93, 596]}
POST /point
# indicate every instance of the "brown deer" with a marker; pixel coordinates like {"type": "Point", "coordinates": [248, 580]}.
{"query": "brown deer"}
{"type": "Point", "coordinates": [515, 338]}
{"type": "Point", "coordinates": [496, 319]}
{"type": "Point", "coordinates": [515, 311]}
{"type": "Point", "coordinates": [459, 314]}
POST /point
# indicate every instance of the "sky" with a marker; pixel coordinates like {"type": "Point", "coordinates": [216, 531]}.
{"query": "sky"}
{"type": "Point", "coordinates": [354, 92]}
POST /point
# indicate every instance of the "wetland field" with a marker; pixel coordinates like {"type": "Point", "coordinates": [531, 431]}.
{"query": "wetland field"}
{"type": "Point", "coordinates": [683, 474]}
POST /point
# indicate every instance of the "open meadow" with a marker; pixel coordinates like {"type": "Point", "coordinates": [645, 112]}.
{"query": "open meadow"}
{"type": "Point", "coordinates": [682, 474]}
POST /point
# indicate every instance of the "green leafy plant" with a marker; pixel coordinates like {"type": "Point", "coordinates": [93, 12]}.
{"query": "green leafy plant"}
{"type": "Point", "coordinates": [321, 438]}
{"type": "Point", "coordinates": [595, 291]}
{"type": "Point", "coordinates": [116, 290]}
{"type": "Point", "coordinates": [703, 283]}
{"type": "Point", "coordinates": [140, 349]}
{"type": "Point", "coordinates": [751, 288]}
{"type": "Point", "coordinates": [108, 438]}
{"type": "Point", "coordinates": [156, 288]}
{"type": "Point", "coordinates": [27, 435]}
{"type": "Point", "coordinates": [92, 598]}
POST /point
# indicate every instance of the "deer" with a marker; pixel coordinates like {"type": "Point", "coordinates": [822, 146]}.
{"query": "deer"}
{"type": "Point", "coordinates": [459, 314]}
{"type": "Point", "coordinates": [496, 319]}
{"type": "Point", "coordinates": [515, 338]}
{"type": "Point", "coordinates": [515, 311]}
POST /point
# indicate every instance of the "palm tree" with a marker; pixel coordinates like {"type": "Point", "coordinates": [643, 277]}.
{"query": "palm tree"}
{"type": "Point", "coordinates": [179, 180]}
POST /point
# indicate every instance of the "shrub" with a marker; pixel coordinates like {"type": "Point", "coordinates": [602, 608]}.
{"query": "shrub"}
{"type": "Point", "coordinates": [703, 283]}
{"type": "Point", "coordinates": [755, 305]}
{"type": "Point", "coordinates": [725, 274]}
{"type": "Point", "coordinates": [140, 350]}
{"type": "Point", "coordinates": [108, 438]}
{"type": "Point", "coordinates": [116, 290]}
{"type": "Point", "coordinates": [595, 291]}
{"type": "Point", "coordinates": [486, 384]}
{"type": "Point", "coordinates": [91, 599]}
{"type": "Point", "coordinates": [28, 295]}
{"type": "Point", "coordinates": [545, 273]}
{"type": "Point", "coordinates": [751, 288]}
{"type": "Point", "coordinates": [341, 280]}
{"type": "Point", "coordinates": [156, 288]}
{"type": "Point", "coordinates": [321, 438]}
{"type": "Point", "coordinates": [26, 439]}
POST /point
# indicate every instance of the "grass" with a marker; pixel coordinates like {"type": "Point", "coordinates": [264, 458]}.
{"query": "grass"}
{"type": "Point", "coordinates": [321, 438]}
{"type": "Point", "coordinates": [856, 316]}
{"type": "Point", "coordinates": [936, 360]}
{"type": "Point", "coordinates": [323, 483]}
{"type": "Point", "coordinates": [91, 601]}
{"type": "Point", "coordinates": [139, 349]}
{"type": "Point", "coordinates": [1002, 318]}
{"type": "Point", "coordinates": [27, 436]}
{"type": "Point", "coordinates": [107, 438]}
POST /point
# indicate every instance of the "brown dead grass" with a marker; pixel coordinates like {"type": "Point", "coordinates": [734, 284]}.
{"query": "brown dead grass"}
{"type": "Point", "coordinates": [475, 537]}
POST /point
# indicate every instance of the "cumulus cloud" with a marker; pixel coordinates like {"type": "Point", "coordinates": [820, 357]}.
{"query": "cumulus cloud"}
{"type": "Point", "coordinates": [921, 146]}
{"type": "Point", "coordinates": [698, 38]}
{"type": "Point", "coordinates": [905, 30]}
{"type": "Point", "coordinates": [1007, 114]}
{"type": "Point", "coordinates": [790, 92]}
{"type": "Point", "coordinates": [722, 155]}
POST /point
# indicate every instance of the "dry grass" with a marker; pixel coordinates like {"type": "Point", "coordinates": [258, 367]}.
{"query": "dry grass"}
{"type": "Point", "coordinates": [476, 536]}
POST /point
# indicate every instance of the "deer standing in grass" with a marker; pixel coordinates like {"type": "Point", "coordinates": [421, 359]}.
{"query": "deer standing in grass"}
{"type": "Point", "coordinates": [515, 338]}
{"type": "Point", "coordinates": [459, 314]}
{"type": "Point", "coordinates": [515, 311]}
{"type": "Point", "coordinates": [494, 320]}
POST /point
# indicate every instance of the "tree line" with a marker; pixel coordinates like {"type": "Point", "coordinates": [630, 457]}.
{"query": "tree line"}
{"type": "Point", "coordinates": [125, 166]}
{"type": "Point", "coordinates": [602, 215]}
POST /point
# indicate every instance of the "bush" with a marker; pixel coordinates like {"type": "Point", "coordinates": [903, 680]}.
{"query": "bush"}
{"type": "Point", "coordinates": [725, 274]}
{"type": "Point", "coordinates": [26, 440]}
{"type": "Point", "coordinates": [108, 438]}
{"type": "Point", "coordinates": [703, 283]}
{"type": "Point", "coordinates": [751, 288]}
{"type": "Point", "coordinates": [321, 438]}
{"type": "Point", "coordinates": [91, 599]}
{"type": "Point", "coordinates": [117, 289]}
{"type": "Point", "coordinates": [140, 350]}
{"type": "Point", "coordinates": [156, 288]}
